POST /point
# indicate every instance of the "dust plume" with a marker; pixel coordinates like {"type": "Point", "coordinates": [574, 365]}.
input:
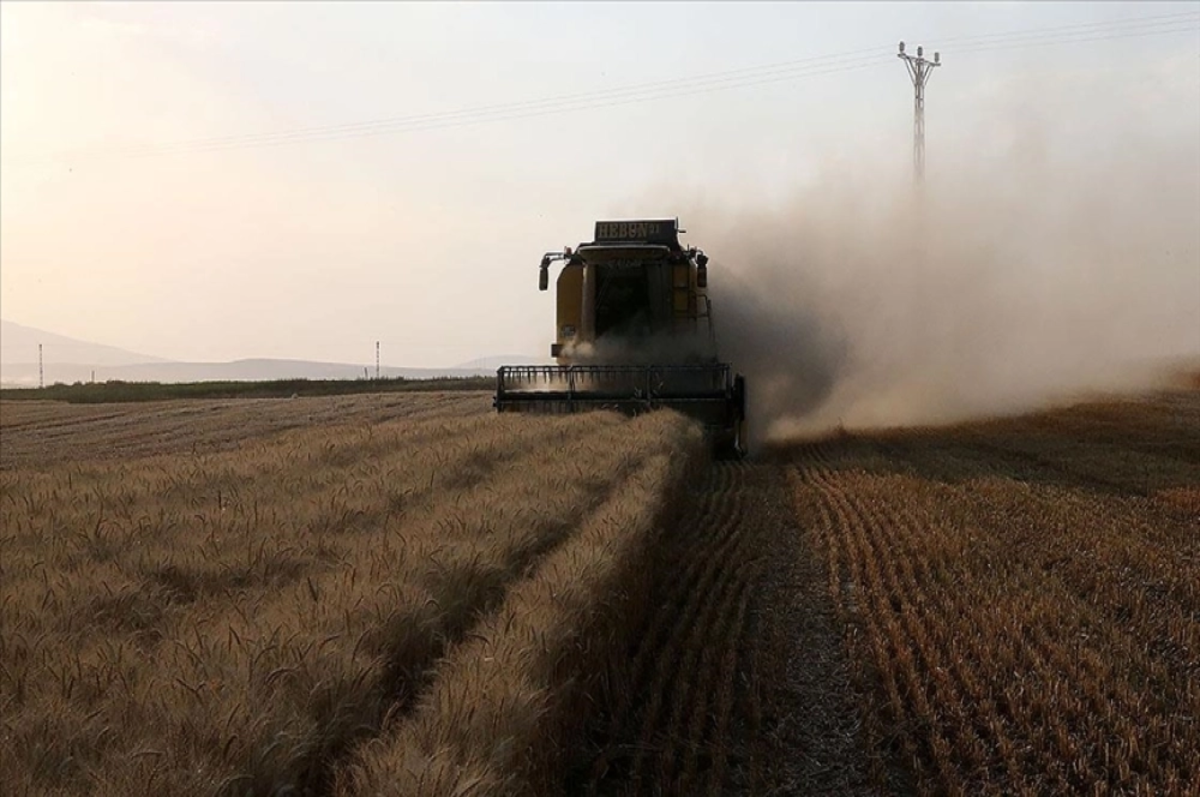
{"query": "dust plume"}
{"type": "Point", "coordinates": [1007, 283]}
{"type": "Point", "coordinates": [643, 349]}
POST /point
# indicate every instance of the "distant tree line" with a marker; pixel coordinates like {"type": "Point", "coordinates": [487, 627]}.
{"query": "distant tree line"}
{"type": "Point", "coordinates": [117, 390]}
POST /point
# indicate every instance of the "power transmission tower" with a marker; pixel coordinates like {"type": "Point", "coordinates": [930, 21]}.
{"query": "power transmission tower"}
{"type": "Point", "coordinates": [919, 70]}
{"type": "Point", "coordinates": [41, 373]}
{"type": "Point", "coordinates": [376, 361]}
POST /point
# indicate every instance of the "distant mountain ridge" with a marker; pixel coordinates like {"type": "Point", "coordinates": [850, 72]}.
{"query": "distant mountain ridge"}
{"type": "Point", "coordinates": [69, 360]}
{"type": "Point", "coordinates": [19, 344]}
{"type": "Point", "coordinates": [256, 370]}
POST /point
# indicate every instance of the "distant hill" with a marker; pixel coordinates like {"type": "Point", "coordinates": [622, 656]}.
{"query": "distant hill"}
{"type": "Point", "coordinates": [69, 360]}
{"type": "Point", "coordinates": [25, 374]}
{"type": "Point", "coordinates": [19, 344]}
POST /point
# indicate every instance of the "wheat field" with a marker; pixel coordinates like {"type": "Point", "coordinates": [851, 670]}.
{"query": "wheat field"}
{"type": "Point", "coordinates": [412, 595]}
{"type": "Point", "coordinates": [195, 602]}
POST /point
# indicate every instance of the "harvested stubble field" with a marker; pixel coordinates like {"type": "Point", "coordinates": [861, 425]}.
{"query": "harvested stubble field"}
{"type": "Point", "coordinates": [412, 595]}
{"type": "Point", "coordinates": [1020, 599]}
{"type": "Point", "coordinates": [1010, 607]}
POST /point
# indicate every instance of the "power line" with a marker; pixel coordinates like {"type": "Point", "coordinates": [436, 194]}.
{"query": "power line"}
{"type": "Point", "coordinates": [465, 119]}
{"type": "Point", "coordinates": [703, 78]}
{"type": "Point", "coordinates": [645, 92]}
{"type": "Point", "coordinates": [654, 90]}
{"type": "Point", "coordinates": [1193, 28]}
{"type": "Point", "coordinates": [737, 78]}
{"type": "Point", "coordinates": [502, 113]}
{"type": "Point", "coordinates": [732, 74]}
{"type": "Point", "coordinates": [1125, 23]}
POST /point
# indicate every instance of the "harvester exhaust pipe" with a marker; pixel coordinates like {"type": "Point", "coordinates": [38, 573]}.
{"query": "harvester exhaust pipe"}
{"type": "Point", "coordinates": [587, 314]}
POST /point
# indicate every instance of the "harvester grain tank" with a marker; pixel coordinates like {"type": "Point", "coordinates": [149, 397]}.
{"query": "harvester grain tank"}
{"type": "Point", "coordinates": [634, 333]}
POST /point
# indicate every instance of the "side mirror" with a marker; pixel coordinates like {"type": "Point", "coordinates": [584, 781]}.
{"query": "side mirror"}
{"type": "Point", "coordinates": [702, 276]}
{"type": "Point", "coordinates": [544, 276]}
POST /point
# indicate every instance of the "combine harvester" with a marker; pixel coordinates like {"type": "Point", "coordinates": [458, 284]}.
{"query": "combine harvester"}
{"type": "Point", "coordinates": [635, 333]}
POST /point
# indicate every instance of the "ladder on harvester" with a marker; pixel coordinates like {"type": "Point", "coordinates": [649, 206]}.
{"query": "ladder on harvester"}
{"type": "Point", "coordinates": [684, 305]}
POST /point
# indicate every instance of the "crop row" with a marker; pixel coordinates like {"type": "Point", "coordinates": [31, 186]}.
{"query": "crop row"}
{"type": "Point", "coordinates": [512, 701]}
{"type": "Point", "coordinates": [1012, 638]}
{"type": "Point", "coordinates": [240, 621]}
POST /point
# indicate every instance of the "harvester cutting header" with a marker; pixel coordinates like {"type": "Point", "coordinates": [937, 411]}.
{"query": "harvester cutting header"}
{"type": "Point", "coordinates": [635, 332]}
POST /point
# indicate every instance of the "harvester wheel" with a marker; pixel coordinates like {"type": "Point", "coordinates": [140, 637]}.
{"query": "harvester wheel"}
{"type": "Point", "coordinates": [739, 397]}
{"type": "Point", "coordinates": [727, 445]}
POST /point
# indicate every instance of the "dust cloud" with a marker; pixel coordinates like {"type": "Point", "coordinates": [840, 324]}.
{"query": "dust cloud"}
{"type": "Point", "coordinates": [632, 348]}
{"type": "Point", "coordinates": [1005, 284]}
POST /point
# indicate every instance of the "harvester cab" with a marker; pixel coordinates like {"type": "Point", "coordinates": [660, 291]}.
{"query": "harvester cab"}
{"type": "Point", "coordinates": [634, 333]}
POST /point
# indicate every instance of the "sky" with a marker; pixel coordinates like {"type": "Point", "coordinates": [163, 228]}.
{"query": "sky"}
{"type": "Point", "coordinates": [174, 180]}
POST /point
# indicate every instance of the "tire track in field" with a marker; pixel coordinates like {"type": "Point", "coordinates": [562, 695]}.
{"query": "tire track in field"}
{"type": "Point", "coordinates": [670, 735]}
{"type": "Point", "coordinates": [842, 581]}
{"type": "Point", "coordinates": [694, 603]}
{"type": "Point", "coordinates": [815, 740]}
{"type": "Point", "coordinates": [705, 633]}
{"type": "Point", "coordinates": [863, 600]}
{"type": "Point", "coordinates": [690, 714]}
{"type": "Point", "coordinates": [739, 684]}
{"type": "Point", "coordinates": [655, 639]}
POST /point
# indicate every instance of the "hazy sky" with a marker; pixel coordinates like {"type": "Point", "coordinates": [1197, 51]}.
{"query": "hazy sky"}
{"type": "Point", "coordinates": [138, 210]}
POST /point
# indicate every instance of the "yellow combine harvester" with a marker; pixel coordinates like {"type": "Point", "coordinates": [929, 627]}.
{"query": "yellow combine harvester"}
{"type": "Point", "coordinates": [635, 332]}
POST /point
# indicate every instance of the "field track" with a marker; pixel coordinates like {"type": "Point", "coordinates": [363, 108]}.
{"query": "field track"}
{"type": "Point", "coordinates": [739, 681]}
{"type": "Point", "coordinates": [671, 727]}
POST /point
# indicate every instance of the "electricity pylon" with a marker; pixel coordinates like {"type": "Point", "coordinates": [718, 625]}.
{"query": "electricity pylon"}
{"type": "Point", "coordinates": [919, 70]}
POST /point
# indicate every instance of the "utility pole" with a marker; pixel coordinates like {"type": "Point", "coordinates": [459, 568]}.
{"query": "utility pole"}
{"type": "Point", "coordinates": [376, 361]}
{"type": "Point", "coordinates": [41, 373]}
{"type": "Point", "coordinates": [919, 70]}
